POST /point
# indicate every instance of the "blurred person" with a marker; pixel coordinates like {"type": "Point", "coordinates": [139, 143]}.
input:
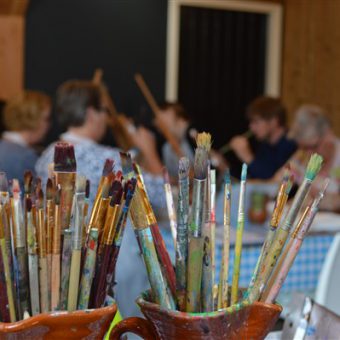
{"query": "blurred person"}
{"type": "Point", "coordinates": [26, 118]}
{"type": "Point", "coordinates": [82, 112]}
{"type": "Point", "coordinates": [267, 122]}
{"type": "Point", "coordinates": [178, 122]}
{"type": "Point", "coordinates": [313, 132]}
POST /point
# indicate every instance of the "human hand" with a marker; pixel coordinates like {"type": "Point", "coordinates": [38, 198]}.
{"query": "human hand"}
{"type": "Point", "coordinates": [240, 145]}
{"type": "Point", "coordinates": [145, 141]}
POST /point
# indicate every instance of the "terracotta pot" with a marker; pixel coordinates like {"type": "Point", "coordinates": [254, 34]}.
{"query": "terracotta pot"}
{"type": "Point", "coordinates": [89, 324]}
{"type": "Point", "coordinates": [250, 322]}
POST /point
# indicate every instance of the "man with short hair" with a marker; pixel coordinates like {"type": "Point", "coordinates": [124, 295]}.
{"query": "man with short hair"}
{"type": "Point", "coordinates": [267, 122]}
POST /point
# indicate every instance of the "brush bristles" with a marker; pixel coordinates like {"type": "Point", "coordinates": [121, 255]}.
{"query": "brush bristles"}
{"type": "Point", "coordinates": [183, 168]}
{"type": "Point", "coordinates": [108, 167]}
{"type": "Point", "coordinates": [313, 167]}
{"type": "Point", "coordinates": [126, 163]}
{"type": "Point", "coordinates": [244, 172]}
{"type": "Point", "coordinates": [49, 189]}
{"type": "Point", "coordinates": [64, 157]}
{"type": "Point", "coordinates": [3, 182]}
{"type": "Point", "coordinates": [87, 189]}
{"type": "Point", "coordinates": [28, 178]}
{"type": "Point", "coordinates": [201, 164]}
{"type": "Point", "coordinates": [80, 184]}
{"type": "Point", "coordinates": [117, 194]}
{"type": "Point", "coordinates": [203, 140]}
{"type": "Point", "coordinates": [227, 179]}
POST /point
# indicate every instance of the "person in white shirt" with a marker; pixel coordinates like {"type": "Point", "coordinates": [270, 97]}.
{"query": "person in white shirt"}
{"type": "Point", "coordinates": [82, 112]}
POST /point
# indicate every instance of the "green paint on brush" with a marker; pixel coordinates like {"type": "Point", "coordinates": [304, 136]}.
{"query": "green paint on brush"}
{"type": "Point", "coordinates": [313, 167]}
{"type": "Point", "coordinates": [160, 288]}
{"type": "Point", "coordinates": [194, 274]}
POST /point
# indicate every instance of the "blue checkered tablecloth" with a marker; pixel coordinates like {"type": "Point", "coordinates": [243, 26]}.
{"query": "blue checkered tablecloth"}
{"type": "Point", "coordinates": [303, 275]}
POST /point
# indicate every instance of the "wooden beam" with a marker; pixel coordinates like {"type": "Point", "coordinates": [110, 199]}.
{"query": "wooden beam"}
{"type": "Point", "coordinates": [13, 7]}
{"type": "Point", "coordinates": [11, 55]}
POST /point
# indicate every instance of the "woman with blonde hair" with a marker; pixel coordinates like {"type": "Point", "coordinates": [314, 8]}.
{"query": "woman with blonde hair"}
{"type": "Point", "coordinates": [26, 119]}
{"type": "Point", "coordinates": [313, 132]}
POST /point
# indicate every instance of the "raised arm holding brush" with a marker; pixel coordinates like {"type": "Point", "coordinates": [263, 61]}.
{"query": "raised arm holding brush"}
{"type": "Point", "coordinates": [267, 122]}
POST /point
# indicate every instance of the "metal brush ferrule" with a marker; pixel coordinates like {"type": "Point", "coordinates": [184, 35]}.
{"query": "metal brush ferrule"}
{"type": "Point", "coordinates": [198, 206]}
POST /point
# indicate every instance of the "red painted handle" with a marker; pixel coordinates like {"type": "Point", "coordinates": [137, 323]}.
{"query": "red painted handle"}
{"type": "Point", "coordinates": [138, 326]}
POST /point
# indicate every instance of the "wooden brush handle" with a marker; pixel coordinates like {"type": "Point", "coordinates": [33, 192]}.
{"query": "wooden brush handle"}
{"type": "Point", "coordinates": [155, 109]}
{"type": "Point", "coordinates": [55, 281]}
{"type": "Point", "coordinates": [44, 307]}
{"type": "Point", "coordinates": [74, 281]}
{"type": "Point", "coordinates": [4, 312]}
{"type": "Point", "coordinates": [33, 266]}
{"type": "Point", "coordinates": [8, 277]}
{"type": "Point", "coordinates": [117, 122]}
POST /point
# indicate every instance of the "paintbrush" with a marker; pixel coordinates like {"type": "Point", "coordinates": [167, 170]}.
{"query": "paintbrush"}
{"type": "Point", "coordinates": [49, 229]}
{"type": "Point", "coordinates": [18, 228]}
{"type": "Point", "coordinates": [222, 300]}
{"type": "Point", "coordinates": [129, 171]}
{"type": "Point", "coordinates": [213, 220]}
{"type": "Point", "coordinates": [5, 201]}
{"type": "Point", "coordinates": [207, 288]}
{"type": "Point", "coordinates": [280, 203]}
{"type": "Point", "coordinates": [56, 246]}
{"type": "Point", "coordinates": [86, 210]}
{"type": "Point", "coordinates": [84, 234]}
{"type": "Point", "coordinates": [65, 174]}
{"type": "Point", "coordinates": [195, 252]}
{"type": "Point", "coordinates": [104, 255]}
{"type": "Point", "coordinates": [162, 253]}
{"type": "Point", "coordinates": [88, 270]}
{"type": "Point", "coordinates": [106, 177]}
{"type": "Point", "coordinates": [158, 282]}
{"type": "Point", "coordinates": [77, 232]}
{"type": "Point", "coordinates": [43, 271]}
{"type": "Point", "coordinates": [99, 220]}
{"type": "Point", "coordinates": [269, 262]}
{"type": "Point", "coordinates": [28, 181]}
{"type": "Point", "coordinates": [4, 288]}
{"type": "Point", "coordinates": [65, 268]}
{"type": "Point", "coordinates": [129, 190]}
{"type": "Point", "coordinates": [182, 232]}
{"type": "Point", "coordinates": [170, 205]}
{"type": "Point", "coordinates": [5, 255]}
{"type": "Point", "coordinates": [291, 250]}
{"type": "Point", "coordinates": [33, 261]}
{"type": "Point", "coordinates": [239, 234]}
{"type": "Point", "coordinates": [162, 126]}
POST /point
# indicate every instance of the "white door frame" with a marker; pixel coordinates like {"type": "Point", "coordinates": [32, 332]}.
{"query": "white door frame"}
{"type": "Point", "coordinates": [273, 45]}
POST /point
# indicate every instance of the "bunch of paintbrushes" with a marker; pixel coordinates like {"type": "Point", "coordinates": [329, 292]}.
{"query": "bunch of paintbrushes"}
{"type": "Point", "coordinates": [195, 236]}
{"type": "Point", "coordinates": [53, 256]}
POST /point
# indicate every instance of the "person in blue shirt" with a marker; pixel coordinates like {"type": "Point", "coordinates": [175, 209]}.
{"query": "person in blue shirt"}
{"type": "Point", "coordinates": [267, 122]}
{"type": "Point", "coordinates": [26, 118]}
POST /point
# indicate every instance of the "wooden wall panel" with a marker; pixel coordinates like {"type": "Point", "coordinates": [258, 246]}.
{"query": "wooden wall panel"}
{"type": "Point", "coordinates": [11, 55]}
{"type": "Point", "coordinates": [311, 55]}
